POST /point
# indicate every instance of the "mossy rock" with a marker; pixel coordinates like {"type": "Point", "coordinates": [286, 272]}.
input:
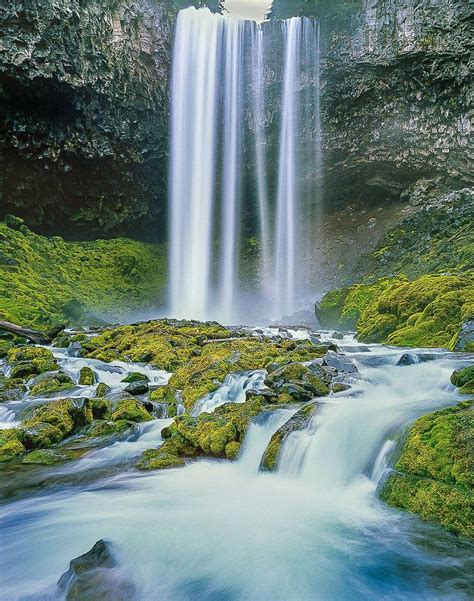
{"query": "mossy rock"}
{"type": "Point", "coordinates": [103, 428]}
{"type": "Point", "coordinates": [54, 382]}
{"type": "Point", "coordinates": [135, 376]}
{"type": "Point", "coordinates": [47, 457]}
{"type": "Point", "coordinates": [86, 376]}
{"type": "Point", "coordinates": [159, 459]}
{"type": "Point", "coordinates": [296, 383]}
{"type": "Point", "coordinates": [40, 435]}
{"type": "Point", "coordinates": [428, 311]}
{"type": "Point", "coordinates": [130, 410]}
{"type": "Point", "coordinates": [434, 475]}
{"type": "Point", "coordinates": [102, 390]}
{"type": "Point", "coordinates": [10, 445]}
{"type": "Point", "coordinates": [464, 379]}
{"type": "Point", "coordinates": [166, 395]}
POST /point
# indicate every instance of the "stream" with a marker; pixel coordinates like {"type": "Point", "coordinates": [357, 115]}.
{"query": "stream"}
{"type": "Point", "coordinates": [224, 531]}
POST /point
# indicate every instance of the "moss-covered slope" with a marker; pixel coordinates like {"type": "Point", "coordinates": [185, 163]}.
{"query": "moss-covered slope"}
{"type": "Point", "coordinates": [434, 474]}
{"type": "Point", "coordinates": [45, 281]}
{"type": "Point", "coordinates": [428, 311]}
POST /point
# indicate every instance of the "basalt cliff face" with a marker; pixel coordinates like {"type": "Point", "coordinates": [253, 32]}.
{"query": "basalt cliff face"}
{"type": "Point", "coordinates": [83, 112]}
{"type": "Point", "coordinates": [396, 102]}
{"type": "Point", "coordinates": [84, 102]}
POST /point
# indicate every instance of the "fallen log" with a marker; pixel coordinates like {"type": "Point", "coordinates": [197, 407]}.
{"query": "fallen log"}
{"type": "Point", "coordinates": [28, 333]}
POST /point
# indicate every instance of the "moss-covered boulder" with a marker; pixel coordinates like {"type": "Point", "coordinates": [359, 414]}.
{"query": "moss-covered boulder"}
{"type": "Point", "coordinates": [10, 445]}
{"type": "Point", "coordinates": [219, 434]}
{"type": "Point", "coordinates": [103, 428]}
{"type": "Point", "coordinates": [159, 459]}
{"type": "Point", "coordinates": [27, 361]}
{"type": "Point", "coordinates": [166, 395]}
{"type": "Point", "coordinates": [130, 410]}
{"type": "Point", "coordinates": [434, 473]}
{"type": "Point", "coordinates": [47, 457]}
{"type": "Point", "coordinates": [428, 311]}
{"type": "Point", "coordinates": [296, 382]}
{"type": "Point", "coordinates": [299, 421]}
{"type": "Point", "coordinates": [86, 376]}
{"type": "Point", "coordinates": [11, 389]}
{"type": "Point", "coordinates": [51, 382]}
{"type": "Point", "coordinates": [102, 390]}
{"type": "Point", "coordinates": [135, 376]}
{"type": "Point", "coordinates": [464, 379]}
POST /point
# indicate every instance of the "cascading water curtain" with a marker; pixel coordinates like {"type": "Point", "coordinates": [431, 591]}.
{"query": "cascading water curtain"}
{"type": "Point", "coordinates": [218, 86]}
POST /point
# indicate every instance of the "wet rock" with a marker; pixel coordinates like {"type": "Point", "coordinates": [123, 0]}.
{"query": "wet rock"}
{"type": "Point", "coordinates": [47, 457]}
{"type": "Point", "coordinates": [86, 376]}
{"type": "Point", "coordinates": [465, 339]}
{"type": "Point", "coordinates": [337, 335]}
{"type": "Point", "coordinates": [339, 362]}
{"type": "Point", "coordinates": [95, 576]}
{"type": "Point", "coordinates": [137, 387]}
{"type": "Point", "coordinates": [131, 410]}
{"type": "Point", "coordinates": [158, 459]}
{"type": "Point", "coordinates": [51, 382]}
{"type": "Point", "coordinates": [414, 358]}
{"type": "Point", "coordinates": [135, 376]}
{"type": "Point", "coordinates": [299, 421]}
{"type": "Point", "coordinates": [340, 387]}
{"type": "Point", "coordinates": [102, 390]}
{"type": "Point", "coordinates": [464, 379]}
{"type": "Point", "coordinates": [315, 339]}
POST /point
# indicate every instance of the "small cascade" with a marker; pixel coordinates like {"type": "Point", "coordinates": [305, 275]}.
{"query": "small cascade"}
{"type": "Point", "coordinates": [233, 390]}
{"type": "Point", "coordinates": [220, 143]}
{"type": "Point", "coordinates": [258, 437]}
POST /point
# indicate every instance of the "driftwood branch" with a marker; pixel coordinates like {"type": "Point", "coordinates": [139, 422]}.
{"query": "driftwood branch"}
{"type": "Point", "coordinates": [28, 333]}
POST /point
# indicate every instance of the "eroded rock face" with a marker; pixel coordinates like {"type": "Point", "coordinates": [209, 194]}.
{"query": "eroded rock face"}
{"type": "Point", "coordinates": [83, 103]}
{"type": "Point", "coordinates": [396, 102]}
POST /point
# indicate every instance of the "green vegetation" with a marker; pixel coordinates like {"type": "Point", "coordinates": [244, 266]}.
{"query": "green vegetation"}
{"type": "Point", "coordinates": [434, 474]}
{"type": "Point", "coordinates": [428, 311]}
{"type": "Point", "coordinates": [464, 379]}
{"type": "Point", "coordinates": [47, 281]}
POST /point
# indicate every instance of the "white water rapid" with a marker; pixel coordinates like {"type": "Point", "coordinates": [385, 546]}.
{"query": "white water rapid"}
{"type": "Point", "coordinates": [314, 530]}
{"type": "Point", "coordinates": [229, 191]}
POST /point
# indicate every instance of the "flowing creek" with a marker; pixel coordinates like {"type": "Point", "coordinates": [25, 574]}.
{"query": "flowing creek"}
{"type": "Point", "coordinates": [225, 531]}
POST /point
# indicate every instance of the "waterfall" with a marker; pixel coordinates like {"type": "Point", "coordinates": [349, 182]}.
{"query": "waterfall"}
{"type": "Point", "coordinates": [288, 197]}
{"type": "Point", "coordinates": [218, 144]}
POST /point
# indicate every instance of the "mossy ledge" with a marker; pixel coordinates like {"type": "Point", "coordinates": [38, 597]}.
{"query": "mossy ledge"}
{"type": "Point", "coordinates": [428, 311]}
{"type": "Point", "coordinates": [434, 473]}
{"type": "Point", "coordinates": [48, 281]}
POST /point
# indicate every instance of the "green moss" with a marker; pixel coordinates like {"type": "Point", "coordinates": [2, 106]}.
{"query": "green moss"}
{"type": "Point", "coordinates": [135, 376]}
{"type": "Point", "coordinates": [158, 459]}
{"type": "Point", "coordinates": [86, 376]}
{"type": "Point", "coordinates": [53, 383]}
{"type": "Point", "coordinates": [130, 410]}
{"type": "Point", "coordinates": [232, 449]}
{"type": "Point", "coordinates": [50, 281]}
{"type": "Point", "coordinates": [10, 445]}
{"type": "Point", "coordinates": [426, 312]}
{"type": "Point", "coordinates": [166, 395]}
{"type": "Point", "coordinates": [435, 470]}
{"type": "Point", "coordinates": [47, 457]}
{"type": "Point", "coordinates": [101, 428]}
{"type": "Point", "coordinates": [463, 377]}
{"type": "Point", "coordinates": [102, 390]}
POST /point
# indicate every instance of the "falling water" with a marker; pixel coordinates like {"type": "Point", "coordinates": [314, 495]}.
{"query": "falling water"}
{"type": "Point", "coordinates": [288, 201]}
{"type": "Point", "coordinates": [218, 87]}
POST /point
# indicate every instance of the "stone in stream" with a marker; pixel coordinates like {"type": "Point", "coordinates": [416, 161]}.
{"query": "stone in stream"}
{"type": "Point", "coordinates": [135, 376]}
{"type": "Point", "coordinates": [339, 362]}
{"type": "Point", "coordinates": [95, 576]}
{"type": "Point", "coordinates": [465, 339]}
{"type": "Point", "coordinates": [413, 358]}
{"type": "Point", "coordinates": [137, 387]}
{"type": "Point", "coordinates": [337, 336]}
{"type": "Point", "coordinates": [86, 376]}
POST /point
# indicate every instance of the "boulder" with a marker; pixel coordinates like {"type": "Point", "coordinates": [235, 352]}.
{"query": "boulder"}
{"type": "Point", "coordinates": [137, 387]}
{"type": "Point", "coordinates": [131, 410]}
{"type": "Point", "coordinates": [102, 390]}
{"type": "Point", "coordinates": [135, 376]}
{"type": "Point", "coordinates": [464, 379]}
{"type": "Point", "coordinates": [340, 362]}
{"type": "Point", "coordinates": [86, 376]}
{"type": "Point", "coordinates": [337, 336]}
{"type": "Point", "coordinates": [465, 339]}
{"type": "Point", "coordinates": [95, 576]}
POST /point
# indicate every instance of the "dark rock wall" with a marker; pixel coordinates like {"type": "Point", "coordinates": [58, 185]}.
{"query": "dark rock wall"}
{"type": "Point", "coordinates": [83, 112]}
{"type": "Point", "coordinates": [84, 109]}
{"type": "Point", "coordinates": [396, 101]}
